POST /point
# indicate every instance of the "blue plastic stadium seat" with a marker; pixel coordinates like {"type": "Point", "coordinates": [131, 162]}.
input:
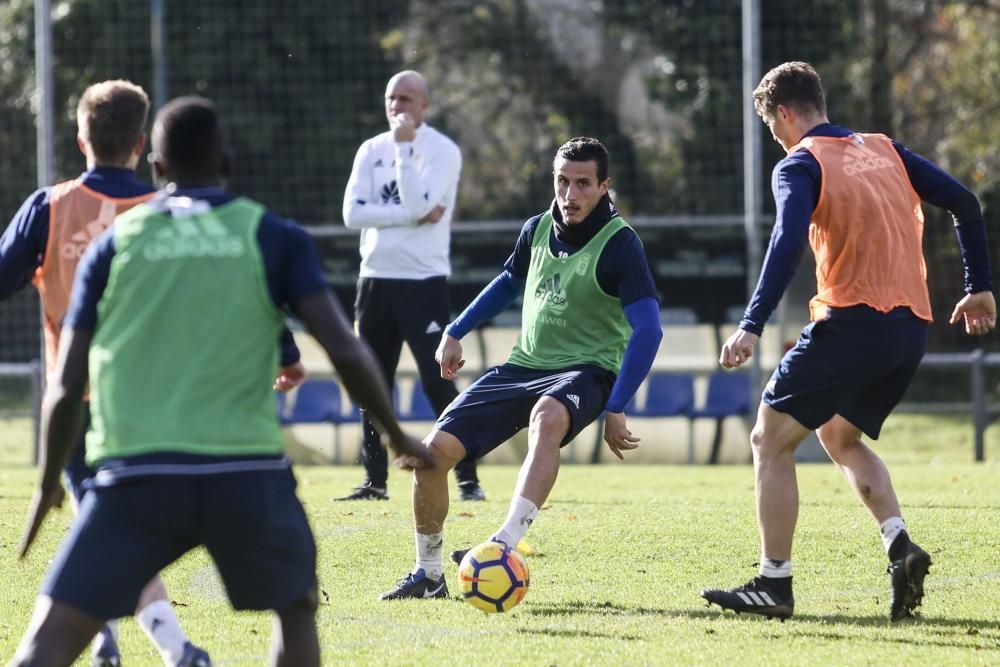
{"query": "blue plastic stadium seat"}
{"type": "Point", "coordinates": [667, 395]}
{"type": "Point", "coordinates": [728, 396]}
{"type": "Point", "coordinates": [316, 402]}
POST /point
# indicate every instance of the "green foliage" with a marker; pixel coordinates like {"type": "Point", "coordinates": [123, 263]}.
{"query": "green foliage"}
{"type": "Point", "coordinates": [621, 553]}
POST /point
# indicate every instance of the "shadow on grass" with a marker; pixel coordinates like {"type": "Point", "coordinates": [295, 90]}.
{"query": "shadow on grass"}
{"type": "Point", "coordinates": [967, 626]}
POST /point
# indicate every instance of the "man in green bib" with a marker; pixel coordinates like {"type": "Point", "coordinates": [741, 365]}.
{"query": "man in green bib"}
{"type": "Point", "coordinates": [590, 329]}
{"type": "Point", "coordinates": [173, 318]}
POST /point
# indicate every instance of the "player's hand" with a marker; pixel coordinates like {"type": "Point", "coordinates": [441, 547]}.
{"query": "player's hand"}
{"type": "Point", "coordinates": [617, 435]}
{"type": "Point", "coordinates": [979, 311]}
{"type": "Point", "coordinates": [433, 215]}
{"type": "Point", "coordinates": [737, 349]}
{"type": "Point", "coordinates": [449, 357]}
{"type": "Point", "coordinates": [290, 377]}
{"type": "Point", "coordinates": [403, 128]}
{"type": "Point", "coordinates": [411, 454]}
{"type": "Point", "coordinates": [42, 501]}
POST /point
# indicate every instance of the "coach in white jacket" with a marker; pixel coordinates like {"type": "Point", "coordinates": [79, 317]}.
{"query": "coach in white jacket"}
{"type": "Point", "coordinates": [401, 195]}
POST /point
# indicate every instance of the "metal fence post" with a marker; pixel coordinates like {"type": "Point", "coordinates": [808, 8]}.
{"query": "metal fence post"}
{"type": "Point", "coordinates": [978, 381]}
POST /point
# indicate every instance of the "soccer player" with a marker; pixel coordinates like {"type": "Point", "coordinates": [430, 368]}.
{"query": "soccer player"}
{"type": "Point", "coordinates": [401, 195]}
{"type": "Point", "coordinates": [855, 198]}
{"type": "Point", "coordinates": [177, 305]}
{"type": "Point", "coordinates": [590, 330]}
{"type": "Point", "coordinates": [43, 243]}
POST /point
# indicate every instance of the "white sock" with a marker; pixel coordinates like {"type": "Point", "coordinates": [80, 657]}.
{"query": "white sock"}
{"type": "Point", "coordinates": [429, 548]}
{"type": "Point", "coordinates": [98, 641]}
{"type": "Point", "coordinates": [158, 620]}
{"type": "Point", "coordinates": [519, 517]}
{"type": "Point", "coordinates": [775, 569]}
{"type": "Point", "coordinates": [890, 529]}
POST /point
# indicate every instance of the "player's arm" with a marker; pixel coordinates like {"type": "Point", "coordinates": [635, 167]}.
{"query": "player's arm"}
{"type": "Point", "coordinates": [795, 184]}
{"type": "Point", "coordinates": [634, 287]}
{"type": "Point", "coordinates": [493, 300]}
{"type": "Point", "coordinates": [977, 309]}
{"type": "Point", "coordinates": [63, 412]}
{"type": "Point", "coordinates": [22, 246]}
{"type": "Point", "coordinates": [292, 373]}
{"type": "Point", "coordinates": [420, 193]}
{"type": "Point", "coordinates": [295, 279]}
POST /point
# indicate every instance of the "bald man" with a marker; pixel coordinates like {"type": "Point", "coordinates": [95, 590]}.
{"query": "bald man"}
{"type": "Point", "coordinates": [401, 195]}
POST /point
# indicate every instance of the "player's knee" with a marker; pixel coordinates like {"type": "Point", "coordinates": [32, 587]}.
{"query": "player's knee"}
{"type": "Point", "coordinates": [549, 422]}
{"type": "Point", "coordinates": [447, 451]}
{"type": "Point", "coordinates": [763, 444]}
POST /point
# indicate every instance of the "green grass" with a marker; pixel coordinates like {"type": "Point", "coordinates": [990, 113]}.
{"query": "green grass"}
{"type": "Point", "coordinates": [621, 554]}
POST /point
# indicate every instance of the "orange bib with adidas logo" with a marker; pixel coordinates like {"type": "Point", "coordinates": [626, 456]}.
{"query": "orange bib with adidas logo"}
{"type": "Point", "coordinates": [77, 216]}
{"type": "Point", "coordinates": [867, 229]}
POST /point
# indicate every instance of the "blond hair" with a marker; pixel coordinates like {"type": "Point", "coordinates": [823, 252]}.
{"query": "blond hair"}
{"type": "Point", "coordinates": [111, 116]}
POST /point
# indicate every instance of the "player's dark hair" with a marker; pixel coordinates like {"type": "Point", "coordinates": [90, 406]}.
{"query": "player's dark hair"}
{"type": "Point", "coordinates": [111, 116]}
{"type": "Point", "coordinates": [792, 84]}
{"type": "Point", "coordinates": [585, 149]}
{"type": "Point", "coordinates": [188, 134]}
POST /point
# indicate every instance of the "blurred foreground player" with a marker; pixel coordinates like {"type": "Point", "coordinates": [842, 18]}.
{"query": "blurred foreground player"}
{"type": "Point", "coordinates": [177, 305]}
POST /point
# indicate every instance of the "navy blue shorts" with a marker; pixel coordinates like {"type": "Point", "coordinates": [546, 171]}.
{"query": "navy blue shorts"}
{"type": "Point", "coordinates": [858, 369]}
{"type": "Point", "coordinates": [252, 524]}
{"type": "Point", "coordinates": [496, 406]}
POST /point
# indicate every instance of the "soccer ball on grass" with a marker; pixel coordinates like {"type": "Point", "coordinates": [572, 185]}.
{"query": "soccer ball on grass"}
{"type": "Point", "coordinates": [493, 577]}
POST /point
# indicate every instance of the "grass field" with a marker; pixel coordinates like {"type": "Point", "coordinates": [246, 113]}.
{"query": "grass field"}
{"type": "Point", "coordinates": [621, 555]}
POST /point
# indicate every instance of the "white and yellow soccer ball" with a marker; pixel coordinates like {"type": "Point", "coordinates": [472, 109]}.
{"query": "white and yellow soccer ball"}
{"type": "Point", "coordinates": [493, 577]}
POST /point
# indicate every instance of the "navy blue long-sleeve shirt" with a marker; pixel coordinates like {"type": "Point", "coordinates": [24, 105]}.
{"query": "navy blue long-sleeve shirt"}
{"type": "Point", "coordinates": [796, 183]}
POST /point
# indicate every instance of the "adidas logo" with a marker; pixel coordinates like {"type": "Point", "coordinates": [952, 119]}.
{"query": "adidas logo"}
{"type": "Point", "coordinates": [758, 599]}
{"type": "Point", "coordinates": [193, 236]}
{"type": "Point", "coordinates": [859, 164]}
{"type": "Point", "coordinates": [551, 291]}
{"type": "Point", "coordinates": [81, 238]}
{"type": "Point", "coordinates": [433, 327]}
{"type": "Point", "coordinates": [378, 163]}
{"type": "Point", "coordinates": [574, 399]}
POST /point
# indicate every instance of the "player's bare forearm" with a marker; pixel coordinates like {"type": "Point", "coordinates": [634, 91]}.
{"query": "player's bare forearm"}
{"type": "Point", "coordinates": [63, 416]}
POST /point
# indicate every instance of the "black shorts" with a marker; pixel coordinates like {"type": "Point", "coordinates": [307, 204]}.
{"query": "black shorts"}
{"type": "Point", "coordinates": [252, 524]}
{"type": "Point", "coordinates": [858, 369]}
{"type": "Point", "coordinates": [498, 405]}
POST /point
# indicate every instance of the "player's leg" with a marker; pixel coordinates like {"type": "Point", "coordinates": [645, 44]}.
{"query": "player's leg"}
{"type": "Point", "coordinates": [294, 640]}
{"type": "Point", "coordinates": [155, 615]}
{"type": "Point", "coordinates": [79, 476]}
{"type": "Point", "coordinates": [115, 546]}
{"type": "Point", "coordinates": [489, 412]}
{"type": "Point", "coordinates": [773, 441]}
{"type": "Point", "coordinates": [376, 325]}
{"type": "Point", "coordinates": [423, 311]}
{"type": "Point", "coordinates": [547, 430]}
{"type": "Point", "coordinates": [901, 344]}
{"type": "Point", "coordinates": [257, 532]}
{"type": "Point", "coordinates": [58, 633]}
{"type": "Point", "coordinates": [862, 467]}
{"type": "Point", "coordinates": [570, 401]}
{"type": "Point", "coordinates": [430, 508]}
